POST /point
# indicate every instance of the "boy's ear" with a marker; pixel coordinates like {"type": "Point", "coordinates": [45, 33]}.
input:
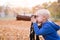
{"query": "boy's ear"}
{"type": "Point", "coordinates": [44, 18]}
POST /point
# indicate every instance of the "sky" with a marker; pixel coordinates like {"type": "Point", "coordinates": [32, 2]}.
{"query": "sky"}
{"type": "Point", "coordinates": [23, 3]}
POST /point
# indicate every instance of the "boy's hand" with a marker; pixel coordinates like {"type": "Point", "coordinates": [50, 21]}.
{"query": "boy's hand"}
{"type": "Point", "coordinates": [33, 20]}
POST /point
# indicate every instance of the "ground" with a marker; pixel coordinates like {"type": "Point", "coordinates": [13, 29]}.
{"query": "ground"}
{"type": "Point", "coordinates": [15, 30]}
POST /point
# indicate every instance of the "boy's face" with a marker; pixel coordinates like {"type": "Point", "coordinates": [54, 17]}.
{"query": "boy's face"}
{"type": "Point", "coordinates": [39, 18]}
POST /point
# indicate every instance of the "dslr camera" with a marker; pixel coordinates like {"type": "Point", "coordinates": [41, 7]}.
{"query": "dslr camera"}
{"type": "Point", "coordinates": [25, 17]}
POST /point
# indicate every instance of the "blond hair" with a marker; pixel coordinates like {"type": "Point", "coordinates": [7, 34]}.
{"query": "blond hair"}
{"type": "Point", "coordinates": [44, 12]}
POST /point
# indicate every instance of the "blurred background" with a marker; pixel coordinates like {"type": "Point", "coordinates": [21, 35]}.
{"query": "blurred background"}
{"type": "Point", "coordinates": [11, 28]}
{"type": "Point", "coordinates": [10, 8]}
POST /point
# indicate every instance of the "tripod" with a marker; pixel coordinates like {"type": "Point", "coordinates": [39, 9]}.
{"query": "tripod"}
{"type": "Point", "coordinates": [33, 36]}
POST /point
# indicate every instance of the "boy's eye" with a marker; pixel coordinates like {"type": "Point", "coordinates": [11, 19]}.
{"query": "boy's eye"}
{"type": "Point", "coordinates": [37, 16]}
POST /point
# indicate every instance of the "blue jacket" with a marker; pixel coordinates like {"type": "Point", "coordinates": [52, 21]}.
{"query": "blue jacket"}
{"type": "Point", "coordinates": [48, 30]}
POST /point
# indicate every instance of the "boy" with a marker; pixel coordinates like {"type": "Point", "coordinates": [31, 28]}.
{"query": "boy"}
{"type": "Point", "coordinates": [49, 29]}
